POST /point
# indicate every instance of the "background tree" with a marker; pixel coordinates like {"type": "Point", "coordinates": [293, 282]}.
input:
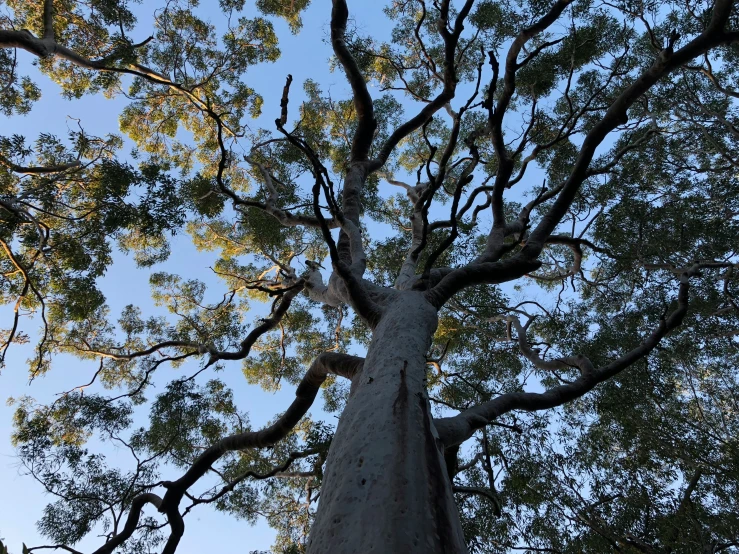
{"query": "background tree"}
{"type": "Point", "coordinates": [548, 308]}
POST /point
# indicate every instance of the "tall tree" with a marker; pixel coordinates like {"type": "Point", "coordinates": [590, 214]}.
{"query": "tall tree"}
{"type": "Point", "coordinates": [548, 308]}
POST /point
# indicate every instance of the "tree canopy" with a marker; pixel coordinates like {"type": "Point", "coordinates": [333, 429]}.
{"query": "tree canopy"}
{"type": "Point", "coordinates": [560, 180]}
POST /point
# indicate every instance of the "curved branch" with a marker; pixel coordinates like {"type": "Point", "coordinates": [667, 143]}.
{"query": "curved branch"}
{"type": "Point", "coordinates": [275, 471]}
{"type": "Point", "coordinates": [490, 273]}
{"type": "Point", "coordinates": [575, 244]}
{"type": "Point", "coordinates": [362, 100]}
{"type": "Point", "coordinates": [341, 252]}
{"type": "Point", "coordinates": [451, 39]}
{"type": "Point", "coordinates": [215, 355]}
{"type": "Point", "coordinates": [457, 429]}
{"type": "Point", "coordinates": [47, 47]}
{"type": "Point", "coordinates": [486, 269]}
{"type": "Point", "coordinates": [264, 327]}
{"type": "Point", "coordinates": [479, 491]}
{"type": "Point", "coordinates": [326, 363]}
{"type": "Point", "coordinates": [139, 353]}
{"type": "Point", "coordinates": [176, 526]}
{"type": "Point", "coordinates": [134, 513]}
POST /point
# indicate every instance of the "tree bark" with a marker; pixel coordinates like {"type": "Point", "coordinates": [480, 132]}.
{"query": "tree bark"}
{"type": "Point", "coordinates": [385, 488]}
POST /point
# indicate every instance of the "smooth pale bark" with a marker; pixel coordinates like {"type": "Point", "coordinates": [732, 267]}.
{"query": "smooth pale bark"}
{"type": "Point", "coordinates": [385, 488]}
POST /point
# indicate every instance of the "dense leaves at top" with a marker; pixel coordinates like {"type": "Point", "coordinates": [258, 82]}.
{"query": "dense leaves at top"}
{"type": "Point", "coordinates": [525, 141]}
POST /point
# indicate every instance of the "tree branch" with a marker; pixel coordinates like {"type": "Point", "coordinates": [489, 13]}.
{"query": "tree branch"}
{"type": "Point", "coordinates": [667, 61]}
{"type": "Point", "coordinates": [328, 362]}
{"type": "Point", "coordinates": [275, 471]}
{"type": "Point", "coordinates": [366, 123]}
{"type": "Point", "coordinates": [490, 273]}
{"type": "Point", "coordinates": [495, 116]}
{"type": "Point", "coordinates": [457, 429]}
{"type": "Point", "coordinates": [134, 513]}
{"type": "Point", "coordinates": [450, 83]}
{"type": "Point", "coordinates": [38, 170]}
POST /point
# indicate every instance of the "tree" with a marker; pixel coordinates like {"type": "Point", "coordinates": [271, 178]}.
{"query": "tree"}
{"type": "Point", "coordinates": [548, 309]}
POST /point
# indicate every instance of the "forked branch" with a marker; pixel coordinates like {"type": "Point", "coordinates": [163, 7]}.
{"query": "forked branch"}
{"type": "Point", "coordinates": [451, 40]}
{"type": "Point", "coordinates": [714, 35]}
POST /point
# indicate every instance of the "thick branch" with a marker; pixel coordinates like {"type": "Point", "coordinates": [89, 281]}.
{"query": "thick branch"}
{"type": "Point", "coordinates": [362, 100]}
{"type": "Point", "coordinates": [457, 429]}
{"type": "Point", "coordinates": [328, 362]}
{"type": "Point", "coordinates": [714, 35]}
{"type": "Point", "coordinates": [134, 513]}
{"type": "Point", "coordinates": [490, 273]}
{"type": "Point", "coordinates": [486, 269]}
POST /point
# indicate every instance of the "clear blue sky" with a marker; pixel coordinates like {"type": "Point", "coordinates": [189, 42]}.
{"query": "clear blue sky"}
{"type": "Point", "coordinates": [21, 498]}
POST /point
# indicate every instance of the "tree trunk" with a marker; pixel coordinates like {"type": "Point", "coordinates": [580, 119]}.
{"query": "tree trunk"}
{"type": "Point", "coordinates": [385, 489]}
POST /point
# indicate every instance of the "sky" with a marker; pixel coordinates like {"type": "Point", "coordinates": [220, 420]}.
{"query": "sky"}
{"type": "Point", "coordinates": [21, 498]}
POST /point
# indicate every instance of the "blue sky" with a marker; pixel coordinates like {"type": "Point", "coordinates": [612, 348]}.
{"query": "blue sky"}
{"type": "Point", "coordinates": [304, 56]}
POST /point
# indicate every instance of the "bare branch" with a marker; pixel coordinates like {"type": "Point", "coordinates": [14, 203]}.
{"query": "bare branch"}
{"type": "Point", "coordinates": [285, 100]}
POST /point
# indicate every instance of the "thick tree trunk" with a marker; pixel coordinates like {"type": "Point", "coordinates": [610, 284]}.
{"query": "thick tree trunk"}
{"type": "Point", "coordinates": [385, 488]}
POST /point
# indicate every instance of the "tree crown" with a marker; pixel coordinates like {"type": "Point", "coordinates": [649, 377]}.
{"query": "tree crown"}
{"type": "Point", "coordinates": [557, 179]}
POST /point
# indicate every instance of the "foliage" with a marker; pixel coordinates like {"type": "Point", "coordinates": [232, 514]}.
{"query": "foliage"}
{"type": "Point", "coordinates": [574, 196]}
